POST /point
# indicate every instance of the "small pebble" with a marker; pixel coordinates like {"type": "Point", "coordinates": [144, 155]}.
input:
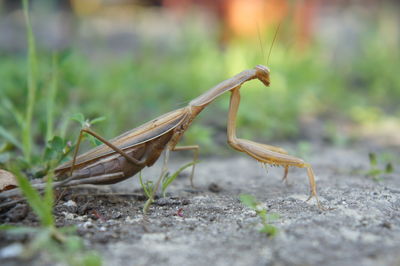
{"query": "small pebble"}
{"type": "Point", "coordinates": [11, 251]}
{"type": "Point", "coordinates": [68, 216]}
{"type": "Point", "coordinates": [213, 187]}
{"type": "Point", "coordinates": [88, 225]}
{"type": "Point", "coordinates": [387, 225]}
{"type": "Point", "coordinates": [18, 213]}
{"type": "Point", "coordinates": [116, 215]}
{"type": "Point", "coordinates": [70, 203]}
{"type": "Point", "coordinates": [129, 220]}
{"type": "Point", "coordinates": [185, 202]}
{"type": "Point", "coordinates": [165, 202]}
{"type": "Point", "coordinates": [103, 229]}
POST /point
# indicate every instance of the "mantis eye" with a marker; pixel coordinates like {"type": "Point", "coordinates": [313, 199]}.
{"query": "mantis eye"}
{"type": "Point", "coordinates": [263, 69]}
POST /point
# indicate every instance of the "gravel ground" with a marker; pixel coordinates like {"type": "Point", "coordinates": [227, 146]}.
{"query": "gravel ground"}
{"type": "Point", "coordinates": [209, 225]}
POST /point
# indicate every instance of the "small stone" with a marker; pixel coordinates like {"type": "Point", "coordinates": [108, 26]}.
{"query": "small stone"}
{"type": "Point", "coordinates": [111, 222]}
{"type": "Point", "coordinates": [11, 251]}
{"type": "Point", "coordinates": [213, 187]}
{"type": "Point", "coordinates": [88, 225]}
{"type": "Point", "coordinates": [387, 225]}
{"type": "Point", "coordinates": [116, 215]}
{"type": "Point", "coordinates": [68, 216]}
{"type": "Point", "coordinates": [71, 206]}
{"type": "Point", "coordinates": [103, 229]}
{"type": "Point", "coordinates": [164, 202]}
{"type": "Point", "coordinates": [129, 220]}
{"type": "Point", "coordinates": [185, 202]}
{"type": "Point", "coordinates": [18, 213]}
{"type": "Point", "coordinates": [70, 203]}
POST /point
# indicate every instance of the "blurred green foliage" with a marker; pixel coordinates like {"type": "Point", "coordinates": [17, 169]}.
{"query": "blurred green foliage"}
{"type": "Point", "coordinates": [135, 87]}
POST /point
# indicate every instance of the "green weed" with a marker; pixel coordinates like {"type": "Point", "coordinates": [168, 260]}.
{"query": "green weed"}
{"type": "Point", "coordinates": [375, 172]}
{"type": "Point", "coordinates": [251, 202]}
{"type": "Point", "coordinates": [32, 86]}
{"type": "Point", "coordinates": [168, 179]}
{"type": "Point", "coordinates": [147, 186]}
{"type": "Point", "coordinates": [150, 189]}
{"type": "Point", "coordinates": [60, 243]}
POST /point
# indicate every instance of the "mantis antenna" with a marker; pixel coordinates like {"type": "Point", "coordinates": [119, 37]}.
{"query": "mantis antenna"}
{"type": "Point", "coordinates": [273, 41]}
{"type": "Point", "coordinates": [259, 39]}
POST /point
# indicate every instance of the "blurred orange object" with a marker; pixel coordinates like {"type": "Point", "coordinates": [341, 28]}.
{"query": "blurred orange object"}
{"type": "Point", "coordinates": [245, 17]}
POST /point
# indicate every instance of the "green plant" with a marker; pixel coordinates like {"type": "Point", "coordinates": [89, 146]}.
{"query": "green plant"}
{"type": "Point", "coordinates": [61, 243]}
{"type": "Point", "coordinates": [32, 86]}
{"type": "Point", "coordinates": [168, 179]}
{"type": "Point", "coordinates": [150, 189]}
{"type": "Point", "coordinates": [375, 172]}
{"type": "Point", "coordinates": [25, 121]}
{"type": "Point", "coordinates": [251, 202]}
{"type": "Point", "coordinates": [147, 187]}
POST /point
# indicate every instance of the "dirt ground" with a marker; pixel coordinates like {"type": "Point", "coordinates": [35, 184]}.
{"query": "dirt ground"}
{"type": "Point", "coordinates": [209, 226]}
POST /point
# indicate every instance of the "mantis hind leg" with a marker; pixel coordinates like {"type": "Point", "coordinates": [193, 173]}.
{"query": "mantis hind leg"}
{"type": "Point", "coordinates": [106, 142]}
{"type": "Point", "coordinates": [195, 149]}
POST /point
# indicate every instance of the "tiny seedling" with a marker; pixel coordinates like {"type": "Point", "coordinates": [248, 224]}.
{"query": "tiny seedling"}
{"type": "Point", "coordinates": [251, 202]}
{"type": "Point", "coordinates": [149, 188]}
{"type": "Point", "coordinates": [375, 172]}
{"type": "Point", "coordinates": [167, 180]}
{"type": "Point", "coordinates": [61, 243]}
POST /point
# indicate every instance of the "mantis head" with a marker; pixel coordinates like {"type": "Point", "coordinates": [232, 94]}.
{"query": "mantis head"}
{"type": "Point", "coordinates": [262, 73]}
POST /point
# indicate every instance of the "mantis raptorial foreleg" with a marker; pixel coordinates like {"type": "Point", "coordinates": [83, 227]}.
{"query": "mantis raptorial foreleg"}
{"type": "Point", "coordinates": [265, 153]}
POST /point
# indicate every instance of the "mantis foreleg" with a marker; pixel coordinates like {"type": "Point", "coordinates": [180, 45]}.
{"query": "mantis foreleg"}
{"type": "Point", "coordinates": [264, 153]}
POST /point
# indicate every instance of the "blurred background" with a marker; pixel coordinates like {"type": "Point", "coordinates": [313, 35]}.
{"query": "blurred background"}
{"type": "Point", "coordinates": [334, 67]}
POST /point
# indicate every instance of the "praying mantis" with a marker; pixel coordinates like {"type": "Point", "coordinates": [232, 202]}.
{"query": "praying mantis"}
{"type": "Point", "coordinates": [126, 155]}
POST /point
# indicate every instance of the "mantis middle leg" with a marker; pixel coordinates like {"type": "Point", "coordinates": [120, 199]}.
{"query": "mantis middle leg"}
{"type": "Point", "coordinates": [195, 149]}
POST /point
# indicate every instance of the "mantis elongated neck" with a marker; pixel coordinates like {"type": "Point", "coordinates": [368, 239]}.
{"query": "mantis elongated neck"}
{"type": "Point", "coordinates": [224, 86]}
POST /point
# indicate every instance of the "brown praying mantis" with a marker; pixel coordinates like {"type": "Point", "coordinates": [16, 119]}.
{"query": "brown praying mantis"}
{"type": "Point", "coordinates": [126, 155]}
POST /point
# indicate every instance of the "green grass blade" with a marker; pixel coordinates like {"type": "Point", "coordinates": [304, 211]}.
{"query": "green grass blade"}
{"type": "Point", "coordinates": [97, 120]}
{"type": "Point", "coordinates": [32, 83]}
{"type": "Point", "coordinates": [41, 206]}
{"type": "Point", "coordinates": [169, 179]}
{"type": "Point", "coordinates": [9, 106]}
{"type": "Point", "coordinates": [10, 138]}
{"type": "Point", "coordinates": [146, 192]}
{"type": "Point", "coordinates": [51, 95]}
{"type": "Point", "coordinates": [14, 229]}
{"type": "Point", "coordinates": [48, 201]}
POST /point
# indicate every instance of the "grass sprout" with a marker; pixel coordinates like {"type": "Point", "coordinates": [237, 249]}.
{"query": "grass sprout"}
{"type": "Point", "coordinates": [376, 172]}
{"type": "Point", "coordinates": [251, 202]}
{"type": "Point", "coordinates": [61, 244]}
